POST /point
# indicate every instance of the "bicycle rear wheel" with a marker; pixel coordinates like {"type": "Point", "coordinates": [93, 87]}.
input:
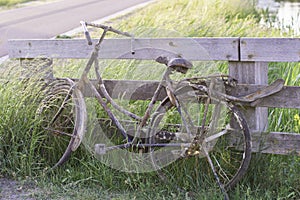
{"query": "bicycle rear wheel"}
{"type": "Point", "coordinates": [227, 141]}
{"type": "Point", "coordinates": [63, 118]}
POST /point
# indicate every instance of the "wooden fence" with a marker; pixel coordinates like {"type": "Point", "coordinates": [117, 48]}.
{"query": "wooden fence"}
{"type": "Point", "coordinates": [247, 58]}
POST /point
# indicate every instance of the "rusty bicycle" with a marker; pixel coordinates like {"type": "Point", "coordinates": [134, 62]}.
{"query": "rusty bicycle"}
{"type": "Point", "coordinates": [197, 118]}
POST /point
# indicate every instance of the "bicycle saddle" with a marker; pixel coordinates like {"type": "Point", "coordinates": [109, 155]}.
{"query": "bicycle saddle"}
{"type": "Point", "coordinates": [179, 64]}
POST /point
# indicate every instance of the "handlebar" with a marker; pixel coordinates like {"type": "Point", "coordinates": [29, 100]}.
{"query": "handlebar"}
{"type": "Point", "coordinates": [105, 28]}
{"type": "Point", "coordinates": [109, 28]}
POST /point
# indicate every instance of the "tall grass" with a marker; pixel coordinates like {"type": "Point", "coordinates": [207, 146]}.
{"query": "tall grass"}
{"type": "Point", "coordinates": [230, 18]}
{"type": "Point", "coordinates": [21, 138]}
{"type": "Point", "coordinates": [19, 133]}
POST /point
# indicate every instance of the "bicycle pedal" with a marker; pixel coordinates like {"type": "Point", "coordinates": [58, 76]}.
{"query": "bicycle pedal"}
{"type": "Point", "coordinates": [100, 149]}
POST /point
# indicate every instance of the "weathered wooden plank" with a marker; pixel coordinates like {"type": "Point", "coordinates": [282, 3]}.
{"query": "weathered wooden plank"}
{"type": "Point", "coordinates": [130, 89]}
{"type": "Point", "coordinates": [276, 143]}
{"type": "Point", "coordinates": [190, 48]}
{"type": "Point", "coordinates": [288, 97]}
{"type": "Point", "coordinates": [270, 49]}
{"type": "Point", "coordinates": [251, 49]}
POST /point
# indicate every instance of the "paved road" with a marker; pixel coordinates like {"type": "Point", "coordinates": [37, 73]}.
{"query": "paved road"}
{"type": "Point", "coordinates": [50, 19]}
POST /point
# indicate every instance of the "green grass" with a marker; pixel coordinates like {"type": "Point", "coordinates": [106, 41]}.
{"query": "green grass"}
{"type": "Point", "coordinates": [21, 138]}
{"type": "Point", "coordinates": [9, 3]}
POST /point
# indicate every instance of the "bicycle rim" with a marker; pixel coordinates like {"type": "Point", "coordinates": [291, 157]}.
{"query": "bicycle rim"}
{"type": "Point", "coordinates": [63, 116]}
{"type": "Point", "coordinates": [227, 140]}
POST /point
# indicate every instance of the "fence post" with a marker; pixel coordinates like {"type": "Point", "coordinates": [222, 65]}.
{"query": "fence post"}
{"type": "Point", "coordinates": [252, 73]}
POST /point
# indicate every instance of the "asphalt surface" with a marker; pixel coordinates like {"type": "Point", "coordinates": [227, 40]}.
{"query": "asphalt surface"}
{"type": "Point", "coordinates": [50, 19]}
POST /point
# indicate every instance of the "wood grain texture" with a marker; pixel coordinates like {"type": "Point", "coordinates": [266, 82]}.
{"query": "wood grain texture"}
{"type": "Point", "coordinates": [252, 73]}
{"type": "Point", "coordinates": [231, 49]}
{"type": "Point", "coordinates": [146, 48]}
{"type": "Point", "coordinates": [276, 143]}
{"type": "Point", "coordinates": [270, 49]}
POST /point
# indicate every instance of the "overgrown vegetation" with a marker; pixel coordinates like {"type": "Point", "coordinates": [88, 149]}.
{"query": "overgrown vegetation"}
{"type": "Point", "coordinates": [21, 138]}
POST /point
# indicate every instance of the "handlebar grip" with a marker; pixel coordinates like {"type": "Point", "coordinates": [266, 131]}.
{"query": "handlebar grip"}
{"type": "Point", "coordinates": [86, 32]}
{"type": "Point", "coordinates": [88, 37]}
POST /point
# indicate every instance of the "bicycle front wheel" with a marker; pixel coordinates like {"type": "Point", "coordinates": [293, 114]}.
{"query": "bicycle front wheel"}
{"type": "Point", "coordinates": [63, 117]}
{"type": "Point", "coordinates": [226, 144]}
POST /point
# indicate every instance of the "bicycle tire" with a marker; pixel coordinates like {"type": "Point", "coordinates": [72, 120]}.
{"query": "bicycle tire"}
{"type": "Point", "coordinates": [231, 171]}
{"type": "Point", "coordinates": [63, 118]}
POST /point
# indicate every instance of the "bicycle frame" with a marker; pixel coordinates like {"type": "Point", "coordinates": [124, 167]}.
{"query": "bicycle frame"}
{"type": "Point", "coordinates": [84, 80]}
{"type": "Point", "coordinates": [165, 82]}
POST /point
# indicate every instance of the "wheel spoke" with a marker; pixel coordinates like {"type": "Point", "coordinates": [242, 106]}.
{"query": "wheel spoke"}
{"type": "Point", "coordinates": [216, 136]}
{"type": "Point", "coordinates": [60, 132]}
{"type": "Point", "coordinates": [215, 173]}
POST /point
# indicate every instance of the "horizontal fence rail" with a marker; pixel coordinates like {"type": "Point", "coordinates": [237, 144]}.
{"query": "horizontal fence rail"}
{"type": "Point", "coordinates": [248, 62]}
{"type": "Point", "coordinates": [225, 49]}
{"type": "Point", "coordinates": [189, 48]}
{"type": "Point", "coordinates": [144, 90]}
{"type": "Point", "coordinates": [270, 49]}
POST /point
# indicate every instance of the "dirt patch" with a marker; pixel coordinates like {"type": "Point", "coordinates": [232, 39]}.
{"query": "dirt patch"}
{"type": "Point", "coordinates": [15, 190]}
